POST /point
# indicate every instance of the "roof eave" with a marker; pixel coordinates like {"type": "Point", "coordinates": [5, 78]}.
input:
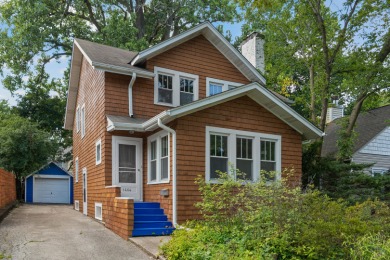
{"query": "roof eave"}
{"type": "Point", "coordinates": [122, 70]}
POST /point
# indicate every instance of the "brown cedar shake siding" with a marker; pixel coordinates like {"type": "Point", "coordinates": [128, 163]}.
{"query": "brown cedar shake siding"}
{"type": "Point", "coordinates": [106, 93]}
{"type": "Point", "coordinates": [90, 93]}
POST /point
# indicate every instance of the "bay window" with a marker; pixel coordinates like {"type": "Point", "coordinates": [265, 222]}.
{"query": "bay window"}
{"type": "Point", "coordinates": [158, 158]}
{"type": "Point", "coordinates": [249, 152]}
{"type": "Point", "coordinates": [174, 88]}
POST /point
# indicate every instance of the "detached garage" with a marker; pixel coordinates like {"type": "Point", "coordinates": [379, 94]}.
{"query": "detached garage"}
{"type": "Point", "coordinates": [51, 184]}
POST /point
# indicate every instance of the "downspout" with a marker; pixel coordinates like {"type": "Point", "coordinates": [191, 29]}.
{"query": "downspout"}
{"type": "Point", "coordinates": [133, 77]}
{"type": "Point", "coordinates": [174, 200]}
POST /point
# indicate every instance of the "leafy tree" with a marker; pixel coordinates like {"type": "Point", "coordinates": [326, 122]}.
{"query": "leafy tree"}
{"type": "Point", "coordinates": [24, 148]}
{"type": "Point", "coordinates": [323, 45]}
{"type": "Point", "coordinates": [33, 33]}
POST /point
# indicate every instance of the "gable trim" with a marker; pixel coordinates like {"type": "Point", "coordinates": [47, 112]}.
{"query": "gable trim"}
{"type": "Point", "coordinates": [209, 31]}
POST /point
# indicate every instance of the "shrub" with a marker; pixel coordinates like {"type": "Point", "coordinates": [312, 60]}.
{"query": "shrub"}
{"type": "Point", "coordinates": [273, 221]}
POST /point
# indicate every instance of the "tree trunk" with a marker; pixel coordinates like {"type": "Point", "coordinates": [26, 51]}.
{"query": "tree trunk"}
{"type": "Point", "coordinates": [168, 28]}
{"type": "Point", "coordinates": [140, 19]}
{"type": "Point", "coordinates": [355, 113]}
{"type": "Point", "coordinates": [312, 95]}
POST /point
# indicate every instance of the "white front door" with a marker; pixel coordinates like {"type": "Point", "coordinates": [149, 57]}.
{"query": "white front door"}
{"type": "Point", "coordinates": [85, 202]}
{"type": "Point", "coordinates": [126, 166]}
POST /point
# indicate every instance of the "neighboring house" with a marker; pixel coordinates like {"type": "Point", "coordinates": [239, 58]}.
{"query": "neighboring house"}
{"type": "Point", "coordinates": [146, 125]}
{"type": "Point", "coordinates": [50, 184]}
{"type": "Point", "coordinates": [372, 144]}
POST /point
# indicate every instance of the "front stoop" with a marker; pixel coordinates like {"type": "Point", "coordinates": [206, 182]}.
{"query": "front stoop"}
{"type": "Point", "coordinates": [150, 220]}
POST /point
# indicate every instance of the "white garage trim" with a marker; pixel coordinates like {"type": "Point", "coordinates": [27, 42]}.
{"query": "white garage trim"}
{"type": "Point", "coordinates": [44, 176]}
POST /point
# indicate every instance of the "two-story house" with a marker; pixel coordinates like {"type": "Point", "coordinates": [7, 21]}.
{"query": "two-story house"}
{"type": "Point", "coordinates": [146, 125]}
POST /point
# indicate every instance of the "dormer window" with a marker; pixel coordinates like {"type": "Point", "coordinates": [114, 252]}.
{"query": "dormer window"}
{"type": "Point", "coordinates": [175, 88]}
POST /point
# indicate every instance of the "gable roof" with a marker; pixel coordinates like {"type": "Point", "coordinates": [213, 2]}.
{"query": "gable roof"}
{"type": "Point", "coordinates": [368, 125]}
{"type": "Point", "coordinates": [50, 164]}
{"type": "Point", "coordinates": [125, 62]}
{"type": "Point", "coordinates": [214, 37]}
{"type": "Point", "coordinates": [254, 90]}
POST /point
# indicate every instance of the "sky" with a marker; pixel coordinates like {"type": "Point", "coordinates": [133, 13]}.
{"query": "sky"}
{"type": "Point", "coordinates": [56, 69]}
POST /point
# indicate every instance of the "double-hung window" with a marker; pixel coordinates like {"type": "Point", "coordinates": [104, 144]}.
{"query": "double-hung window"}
{"type": "Point", "coordinates": [82, 118]}
{"type": "Point", "coordinates": [244, 161]}
{"type": "Point", "coordinates": [216, 86]}
{"type": "Point", "coordinates": [76, 169]}
{"type": "Point", "coordinates": [175, 88]}
{"type": "Point", "coordinates": [158, 158]}
{"type": "Point", "coordinates": [218, 154]}
{"type": "Point", "coordinates": [249, 152]}
{"type": "Point", "coordinates": [98, 148]}
{"type": "Point", "coordinates": [78, 119]}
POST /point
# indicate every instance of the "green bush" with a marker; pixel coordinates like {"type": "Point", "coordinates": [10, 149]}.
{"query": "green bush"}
{"type": "Point", "coordinates": [273, 221]}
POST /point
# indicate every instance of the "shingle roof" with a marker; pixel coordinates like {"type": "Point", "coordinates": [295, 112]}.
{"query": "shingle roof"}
{"type": "Point", "coordinates": [368, 125]}
{"type": "Point", "coordinates": [99, 53]}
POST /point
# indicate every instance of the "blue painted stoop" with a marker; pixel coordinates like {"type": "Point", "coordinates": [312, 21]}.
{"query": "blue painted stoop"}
{"type": "Point", "coordinates": [150, 220]}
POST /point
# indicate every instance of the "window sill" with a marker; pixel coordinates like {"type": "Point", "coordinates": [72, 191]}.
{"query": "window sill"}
{"type": "Point", "coordinates": [164, 104]}
{"type": "Point", "coordinates": [157, 182]}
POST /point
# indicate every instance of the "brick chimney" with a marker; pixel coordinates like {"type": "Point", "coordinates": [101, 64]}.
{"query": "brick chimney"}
{"type": "Point", "coordinates": [252, 48]}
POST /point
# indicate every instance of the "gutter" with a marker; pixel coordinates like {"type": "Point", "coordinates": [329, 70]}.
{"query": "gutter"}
{"type": "Point", "coordinates": [133, 77]}
{"type": "Point", "coordinates": [174, 190]}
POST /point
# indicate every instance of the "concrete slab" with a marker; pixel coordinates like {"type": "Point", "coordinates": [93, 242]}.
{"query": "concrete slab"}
{"type": "Point", "coordinates": [151, 245]}
{"type": "Point", "coordinates": [59, 232]}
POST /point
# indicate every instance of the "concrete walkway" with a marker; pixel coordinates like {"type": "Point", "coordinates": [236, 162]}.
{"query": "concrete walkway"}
{"type": "Point", "coordinates": [59, 232]}
{"type": "Point", "coordinates": [151, 245]}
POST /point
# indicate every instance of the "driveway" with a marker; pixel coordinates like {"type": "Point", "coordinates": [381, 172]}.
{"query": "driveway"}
{"type": "Point", "coordinates": [59, 232]}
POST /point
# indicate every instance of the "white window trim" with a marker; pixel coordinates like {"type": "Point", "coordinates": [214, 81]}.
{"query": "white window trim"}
{"type": "Point", "coordinates": [76, 169]}
{"type": "Point", "coordinates": [225, 84]}
{"type": "Point", "coordinates": [97, 205]}
{"type": "Point", "coordinates": [78, 119]}
{"type": "Point", "coordinates": [175, 85]}
{"type": "Point", "coordinates": [77, 205]}
{"type": "Point", "coordinates": [98, 143]}
{"type": "Point", "coordinates": [157, 137]}
{"type": "Point", "coordinates": [82, 119]}
{"type": "Point", "coordinates": [257, 137]}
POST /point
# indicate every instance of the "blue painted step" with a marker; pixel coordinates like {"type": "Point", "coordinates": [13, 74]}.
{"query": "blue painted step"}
{"type": "Point", "coordinates": [152, 232]}
{"type": "Point", "coordinates": [152, 224]}
{"type": "Point", "coordinates": [145, 211]}
{"type": "Point", "coordinates": [158, 217]}
{"type": "Point", "coordinates": [150, 220]}
{"type": "Point", "coordinates": [148, 205]}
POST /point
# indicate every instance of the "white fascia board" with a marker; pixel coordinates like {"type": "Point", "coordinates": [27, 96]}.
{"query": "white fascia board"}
{"type": "Point", "coordinates": [122, 70]}
{"type": "Point", "coordinates": [112, 126]}
{"type": "Point", "coordinates": [72, 88]}
{"type": "Point", "coordinates": [150, 51]}
{"type": "Point", "coordinates": [237, 53]}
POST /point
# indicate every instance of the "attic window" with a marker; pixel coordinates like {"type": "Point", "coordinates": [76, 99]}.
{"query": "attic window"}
{"type": "Point", "coordinates": [216, 86]}
{"type": "Point", "coordinates": [174, 88]}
